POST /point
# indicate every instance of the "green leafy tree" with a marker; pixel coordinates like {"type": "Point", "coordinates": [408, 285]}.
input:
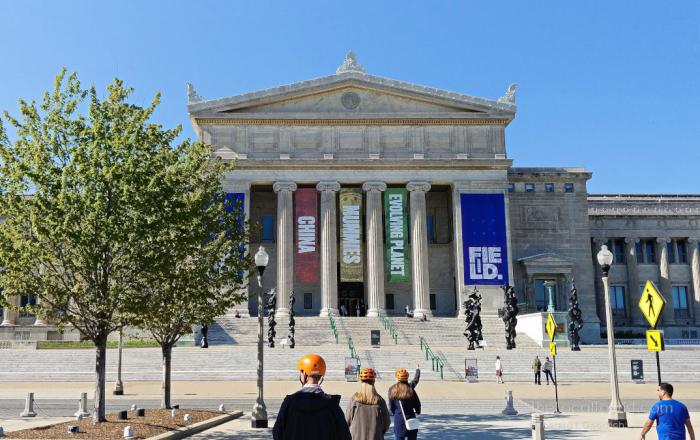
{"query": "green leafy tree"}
{"type": "Point", "coordinates": [84, 192]}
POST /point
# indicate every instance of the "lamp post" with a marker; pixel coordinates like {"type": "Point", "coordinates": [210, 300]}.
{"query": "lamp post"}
{"type": "Point", "coordinates": [119, 386]}
{"type": "Point", "coordinates": [549, 285]}
{"type": "Point", "coordinates": [616, 412]}
{"type": "Point", "coordinates": [259, 416]}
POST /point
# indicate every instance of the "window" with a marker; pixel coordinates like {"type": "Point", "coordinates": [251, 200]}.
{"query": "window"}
{"type": "Point", "coordinates": [549, 187]}
{"type": "Point", "coordinates": [677, 252]}
{"type": "Point", "coordinates": [268, 227]}
{"type": "Point", "coordinates": [511, 187]}
{"type": "Point", "coordinates": [433, 302]}
{"type": "Point", "coordinates": [529, 187]}
{"type": "Point", "coordinates": [430, 228]}
{"type": "Point", "coordinates": [646, 251]}
{"type": "Point", "coordinates": [308, 300]}
{"type": "Point", "coordinates": [670, 252]}
{"type": "Point", "coordinates": [617, 247]}
{"type": "Point", "coordinates": [617, 301]}
{"type": "Point", "coordinates": [542, 296]}
{"type": "Point", "coordinates": [27, 300]}
{"type": "Point", "coordinates": [680, 301]}
{"type": "Point", "coordinates": [568, 187]}
{"type": "Point", "coordinates": [389, 301]}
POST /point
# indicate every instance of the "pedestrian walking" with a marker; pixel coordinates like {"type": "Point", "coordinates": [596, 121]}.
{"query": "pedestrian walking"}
{"type": "Point", "coordinates": [547, 368]}
{"type": "Point", "coordinates": [404, 406]}
{"type": "Point", "coordinates": [671, 416]}
{"type": "Point", "coordinates": [311, 414]}
{"type": "Point", "coordinates": [357, 309]}
{"type": "Point", "coordinates": [367, 414]}
{"type": "Point", "coordinates": [536, 368]}
{"type": "Point", "coordinates": [499, 370]}
{"type": "Point", "coordinates": [343, 310]}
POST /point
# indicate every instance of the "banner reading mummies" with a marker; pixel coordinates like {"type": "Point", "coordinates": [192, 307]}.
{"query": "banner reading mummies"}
{"type": "Point", "coordinates": [350, 255]}
{"type": "Point", "coordinates": [306, 233]}
{"type": "Point", "coordinates": [396, 235]}
{"type": "Point", "coordinates": [484, 240]}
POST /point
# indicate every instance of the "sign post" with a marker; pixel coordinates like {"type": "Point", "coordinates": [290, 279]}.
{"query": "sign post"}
{"type": "Point", "coordinates": [551, 328]}
{"type": "Point", "coordinates": [652, 304]}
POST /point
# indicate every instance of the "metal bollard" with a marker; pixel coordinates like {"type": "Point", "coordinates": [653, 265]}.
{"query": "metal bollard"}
{"type": "Point", "coordinates": [128, 432]}
{"type": "Point", "coordinates": [29, 406]}
{"type": "Point", "coordinates": [538, 427]}
{"type": "Point", "coordinates": [82, 406]}
{"type": "Point", "coordinates": [509, 410]}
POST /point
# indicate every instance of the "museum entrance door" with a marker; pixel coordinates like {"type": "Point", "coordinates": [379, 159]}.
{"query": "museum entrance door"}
{"type": "Point", "coordinates": [352, 295]}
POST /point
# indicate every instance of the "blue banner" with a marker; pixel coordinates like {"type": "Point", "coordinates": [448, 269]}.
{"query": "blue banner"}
{"type": "Point", "coordinates": [484, 240]}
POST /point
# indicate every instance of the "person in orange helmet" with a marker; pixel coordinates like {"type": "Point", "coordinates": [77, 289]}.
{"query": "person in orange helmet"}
{"type": "Point", "coordinates": [404, 405]}
{"type": "Point", "coordinates": [311, 414]}
{"type": "Point", "coordinates": [367, 414]}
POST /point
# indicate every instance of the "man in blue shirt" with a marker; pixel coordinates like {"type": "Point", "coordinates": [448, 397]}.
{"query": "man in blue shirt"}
{"type": "Point", "coordinates": [671, 416]}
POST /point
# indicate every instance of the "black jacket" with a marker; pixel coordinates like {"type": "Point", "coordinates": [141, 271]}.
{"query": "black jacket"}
{"type": "Point", "coordinates": [311, 416]}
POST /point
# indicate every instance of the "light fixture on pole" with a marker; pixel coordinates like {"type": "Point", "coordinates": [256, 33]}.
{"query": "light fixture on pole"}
{"type": "Point", "coordinates": [616, 413]}
{"type": "Point", "coordinates": [259, 416]}
{"type": "Point", "coordinates": [549, 285]}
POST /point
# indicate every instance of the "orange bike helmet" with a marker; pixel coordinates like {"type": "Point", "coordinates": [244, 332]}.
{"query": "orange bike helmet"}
{"type": "Point", "coordinates": [401, 374]}
{"type": "Point", "coordinates": [367, 375]}
{"type": "Point", "coordinates": [312, 365]}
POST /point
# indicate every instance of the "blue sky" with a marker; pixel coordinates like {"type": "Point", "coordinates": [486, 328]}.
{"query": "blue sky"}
{"type": "Point", "coordinates": [612, 86]}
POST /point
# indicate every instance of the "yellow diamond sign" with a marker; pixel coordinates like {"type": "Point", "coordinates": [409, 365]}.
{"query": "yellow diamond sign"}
{"type": "Point", "coordinates": [655, 340]}
{"type": "Point", "coordinates": [551, 327]}
{"type": "Point", "coordinates": [651, 303]}
{"type": "Point", "coordinates": [552, 348]}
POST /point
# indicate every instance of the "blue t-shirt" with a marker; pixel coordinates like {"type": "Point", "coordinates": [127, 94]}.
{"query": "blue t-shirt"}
{"type": "Point", "coordinates": [670, 416]}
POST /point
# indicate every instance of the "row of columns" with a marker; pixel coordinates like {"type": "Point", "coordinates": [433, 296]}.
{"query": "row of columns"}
{"type": "Point", "coordinates": [375, 246]}
{"type": "Point", "coordinates": [11, 317]}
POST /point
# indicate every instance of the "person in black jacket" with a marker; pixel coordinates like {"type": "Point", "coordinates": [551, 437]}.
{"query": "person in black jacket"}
{"type": "Point", "coordinates": [311, 414]}
{"type": "Point", "coordinates": [404, 404]}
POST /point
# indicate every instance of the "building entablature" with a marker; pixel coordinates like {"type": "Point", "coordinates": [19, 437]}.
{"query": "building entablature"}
{"type": "Point", "coordinates": [623, 205]}
{"type": "Point", "coordinates": [518, 174]}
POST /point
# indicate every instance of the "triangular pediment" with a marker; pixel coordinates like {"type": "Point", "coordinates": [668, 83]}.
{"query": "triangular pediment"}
{"type": "Point", "coordinates": [545, 260]}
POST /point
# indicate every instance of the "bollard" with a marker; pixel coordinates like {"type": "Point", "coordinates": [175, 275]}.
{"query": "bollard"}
{"type": "Point", "coordinates": [176, 406]}
{"type": "Point", "coordinates": [538, 427]}
{"type": "Point", "coordinates": [2, 432]}
{"type": "Point", "coordinates": [133, 407]}
{"type": "Point", "coordinates": [222, 408]}
{"type": "Point", "coordinates": [173, 412]}
{"type": "Point", "coordinates": [73, 429]}
{"type": "Point", "coordinates": [187, 418]}
{"type": "Point", "coordinates": [128, 432]}
{"type": "Point", "coordinates": [141, 412]}
{"type": "Point", "coordinates": [122, 415]}
{"type": "Point", "coordinates": [78, 416]}
{"type": "Point", "coordinates": [82, 407]}
{"type": "Point", "coordinates": [509, 410]}
{"type": "Point", "coordinates": [29, 406]}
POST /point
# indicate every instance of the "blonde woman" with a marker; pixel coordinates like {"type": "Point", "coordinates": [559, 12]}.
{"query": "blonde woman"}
{"type": "Point", "coordinates": [367, 414]}
{"type": "Point", "coordinates": [404, 405]}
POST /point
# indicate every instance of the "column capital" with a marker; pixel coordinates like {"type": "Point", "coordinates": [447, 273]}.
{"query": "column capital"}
{"type": "Point", "coordinates": [328, 185]}
{"type": "Point", "coordinates": [632, 240]}
{"type": "Point", "coordinates": [418, 186]}
{"type": "Point", "coordinates": [284, 186]}
{"type": "Point", "coordinates": [374, 186]}
{"type": "Point", "coordinates": [663, 240]}
{"type": "Point", "coordinates": [692, 240]}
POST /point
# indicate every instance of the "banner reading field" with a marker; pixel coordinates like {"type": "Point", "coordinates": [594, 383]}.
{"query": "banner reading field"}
{"type": "Point", "coordinates": [351, 235]}
{"type": "Point", "coordinates": [396, 233]}
{"type": "Point", "coordinates": [306, 254]}
{"type": "Point", "coordinates": [484, 241]}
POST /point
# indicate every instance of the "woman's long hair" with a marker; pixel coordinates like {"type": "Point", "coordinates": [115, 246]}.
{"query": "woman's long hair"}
{"type": "Point", "coordinates": [401, 391]}
{"type": "Point", "coordinates": [367, 394]}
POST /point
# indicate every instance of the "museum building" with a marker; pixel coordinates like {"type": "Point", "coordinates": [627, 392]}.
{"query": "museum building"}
{"type": "Point", "coordinates": [372, 194]}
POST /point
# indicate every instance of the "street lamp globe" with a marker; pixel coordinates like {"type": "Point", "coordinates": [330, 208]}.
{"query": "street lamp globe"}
{"type": "Point", "coordinates": [261, 259]}
{"type": "Point", "coordinates": [605, 257]}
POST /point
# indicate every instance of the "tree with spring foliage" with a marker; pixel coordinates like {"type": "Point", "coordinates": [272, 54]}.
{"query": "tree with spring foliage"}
{"type": "Point", "coordinates": [94, 211]}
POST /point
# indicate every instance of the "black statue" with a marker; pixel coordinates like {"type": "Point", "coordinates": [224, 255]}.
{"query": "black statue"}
{"type": "Point", "coordinates": [292, 300]}
{"type": "Point", "coordinates": [510, 313]}
{"type": "Point", "coordinates": [271, 306]}
{"type": "Point", "coordinates": [205, 331]}
{"type": "Point", "coordinates": [472, 311]}
{"type": "Point", "coordinates": [575, 319]}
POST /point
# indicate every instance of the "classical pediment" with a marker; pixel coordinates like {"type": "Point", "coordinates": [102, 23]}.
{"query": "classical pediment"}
{"type": "Point", "coordinates": [546, 263]}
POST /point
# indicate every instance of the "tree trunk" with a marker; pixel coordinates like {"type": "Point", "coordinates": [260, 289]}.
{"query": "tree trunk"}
{"type": "Point", "coordinates": [98, 414]}
{"type": "Point", "coordinates": [167, 349]}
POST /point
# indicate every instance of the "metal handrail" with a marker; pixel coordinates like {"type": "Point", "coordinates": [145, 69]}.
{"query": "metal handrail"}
{"type": "Point", "coordinates": [353, 353]}
{"type": "Point", "coordinates": [437, 363]}
{"type": "Point", "coordinates": [331, 321]}
{"type": "Point", "coordinates": [389, 326]}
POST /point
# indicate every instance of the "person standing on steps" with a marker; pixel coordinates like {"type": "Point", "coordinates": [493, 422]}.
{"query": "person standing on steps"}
{"type": "Point", "coordinates": [357, 309]}
{"type": "Point", "coordinates": [404, 405]}
{"type": "Point", "coordinates": [547, 368]}
{"type": "Point", "coordinates": [311, 414]}
{"type": "Point", "coordinates": [367, 414]}
{"type": "Point", "coordinates": [499, 370]}
{"type": "Point", "coordinates": [671, 416]}
{"type": "Point", "coordinates": [536, 367]}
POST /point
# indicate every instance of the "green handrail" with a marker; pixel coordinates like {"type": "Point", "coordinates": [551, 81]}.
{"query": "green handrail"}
{"type": "Point", "coordinates": [437, 363]}
{"type": "Point", "coordinates": [331, 321]}
{"type": "Point", "coordinates": [354, 354]}
{"type": "Point", "coordinates": [389, 326]}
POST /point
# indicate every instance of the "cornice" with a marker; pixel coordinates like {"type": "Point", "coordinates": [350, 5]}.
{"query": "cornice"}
{"type": "Point", "coordinates": [350, 121]}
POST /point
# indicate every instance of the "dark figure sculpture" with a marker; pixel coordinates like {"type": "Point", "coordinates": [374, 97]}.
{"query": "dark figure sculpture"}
{"type": "Point", "coordinates": [472, 311]}
{"type": "Point", "coordinates": [292, 300]}
{"type": "Point", "coordinates": [205, 341]}
{"type": "Point", "coordinates": [510, 313]}
{"type": "Point", "coordinates": [575, 319]}
{"type": "Point", "coordinates": [271, 306]}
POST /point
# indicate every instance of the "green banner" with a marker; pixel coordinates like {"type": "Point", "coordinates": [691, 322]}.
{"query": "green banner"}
{"type": "Point", "coordinates": [351, 235]}
{"type": "Point", "coordinates": [396, 226]}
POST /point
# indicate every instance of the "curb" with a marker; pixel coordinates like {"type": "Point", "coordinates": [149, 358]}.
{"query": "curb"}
{"type": "Point", "coordinates": [197, 427]}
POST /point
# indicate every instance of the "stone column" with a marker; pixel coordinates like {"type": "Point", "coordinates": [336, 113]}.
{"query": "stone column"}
{"type": "Point", "coordinates": [285, 243]}
{"type": "Point", "coordinates": [665, 279]}
{"type": "Point", "coordinates": [419, 249]}
{"type": "Point", "coordinates": [329, 248]}
{"type": "Point", "coordinates": [40, 321]}
{"type": "Point", "coordinates": [633, 312]}
{"type": "Point", "coordinates": [375, 247]}
{"type": "Point", "coordinates": [695, 274]}
{"type": "Point", "coordinates": [457, 249]}
{"type": "Point", "coordinates": [10, 316]}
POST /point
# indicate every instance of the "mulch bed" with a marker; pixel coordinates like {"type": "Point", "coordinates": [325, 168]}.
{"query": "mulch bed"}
{"type": "Point", "coordinates": [156, 421]}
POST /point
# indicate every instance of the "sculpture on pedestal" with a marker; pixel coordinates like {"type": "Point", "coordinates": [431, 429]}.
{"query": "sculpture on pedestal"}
{"type": "Point", "coordinates": [292, 300]}
{"type": "Point", "coordinates": [271, 306]}
{"type": "Point", "coordinates": [510, 313]}
{"type": "Point", "coordinates": [472, 312]}
{"type": "Point", "coordinates": [575, 319]}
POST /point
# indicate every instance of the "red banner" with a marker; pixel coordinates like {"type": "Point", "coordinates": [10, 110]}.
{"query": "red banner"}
{"type": "Point", "coordinates": [306, 233]}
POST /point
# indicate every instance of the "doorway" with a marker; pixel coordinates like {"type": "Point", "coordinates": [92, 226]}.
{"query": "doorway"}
{"type": "Point", "coordinates": [352, 296]}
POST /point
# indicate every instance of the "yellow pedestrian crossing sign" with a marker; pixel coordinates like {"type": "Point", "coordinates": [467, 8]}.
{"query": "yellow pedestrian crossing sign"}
{"type": "Point", "coordinates": [552, 348]}
{"type": "Point", "coordinates": [655, 340]}
{"type": "Point", "coordinates": [551, 327]}
{"type": "Point", "coordinates": [651, 303]}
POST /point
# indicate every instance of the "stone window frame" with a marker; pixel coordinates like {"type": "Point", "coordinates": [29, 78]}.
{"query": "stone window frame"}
{"type": "Point", "coordinates": [569, 187]}
{"type": "Point", "coordinates": [641, 249]}
{"type": "Point", "coordinates": [618, 312]}
{"type": "Point", "coordinates": [549, 187]}
{"type": "Point", "coordinates": [619, 257]}
{"type": "Point", "coordinates": [511, 187]}
{"type": "Point", "coordinates": [680, 312]}
{"type": "Point", "coordinates": [529, 187]}
{"type": "Point", "coordinates": [675, 253]}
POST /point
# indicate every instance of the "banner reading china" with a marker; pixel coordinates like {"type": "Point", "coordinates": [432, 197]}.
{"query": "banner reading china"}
{"type": "Point", "coordinates": [306, 233]}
